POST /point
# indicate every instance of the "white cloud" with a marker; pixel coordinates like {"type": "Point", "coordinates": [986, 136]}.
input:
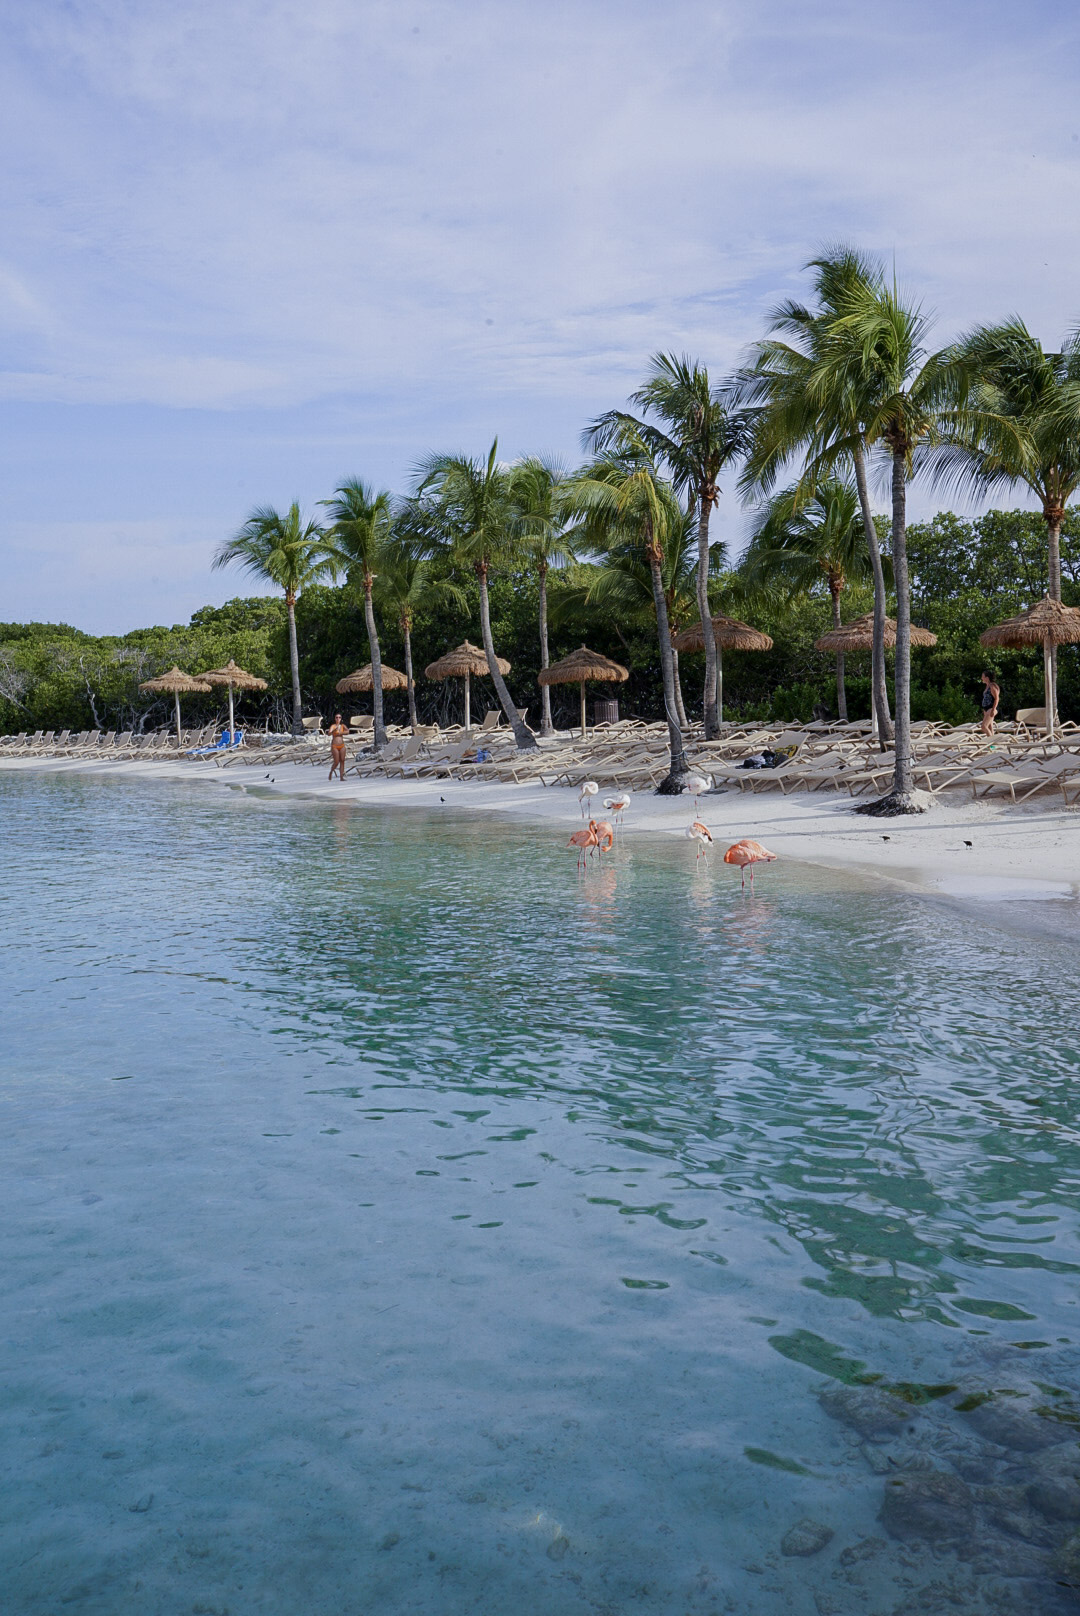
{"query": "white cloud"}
{"type": "Point", "coordinates": [432, 208]}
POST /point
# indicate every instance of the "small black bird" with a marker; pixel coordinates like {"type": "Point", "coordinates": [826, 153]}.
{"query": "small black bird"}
{"type": "Point", "coordinates": [442, 799]}
{"type": "Point", "coordinates": [968, 844]}
{"type": "Point", "coordinates": [886, 838]}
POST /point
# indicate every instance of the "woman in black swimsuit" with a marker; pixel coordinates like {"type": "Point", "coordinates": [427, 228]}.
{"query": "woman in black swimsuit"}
{"type": "Point", "coordinates": [990, 697]}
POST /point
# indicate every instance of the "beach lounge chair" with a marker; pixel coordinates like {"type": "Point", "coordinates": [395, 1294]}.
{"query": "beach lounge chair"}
{"type": "Point", "coordinates": [433, 767]}
{"type": "Point", "coordinates": [228, 739]}
{"type": "Point", "coordinates": [1027, 782]}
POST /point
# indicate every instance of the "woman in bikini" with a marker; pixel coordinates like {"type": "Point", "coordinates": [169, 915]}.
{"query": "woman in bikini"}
{"type": "Point", "coordinates": [338, 733]}
{"type": "Point", "coordinates": [991, 695]}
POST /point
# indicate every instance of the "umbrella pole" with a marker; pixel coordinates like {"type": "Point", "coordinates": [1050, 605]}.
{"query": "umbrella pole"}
{"type": "Point", "coordinates": [583, 709]}
{"type": "Point", "coordinates": [176, 693]}
{"type": "Point", "coordinates": [1048, 686]}
{"type": "Point", "coordinates": [467, 715]}
{"type": "Point", "coordinates": [232, 721]}
{"type": "Point", "coordinates": [720, 683]}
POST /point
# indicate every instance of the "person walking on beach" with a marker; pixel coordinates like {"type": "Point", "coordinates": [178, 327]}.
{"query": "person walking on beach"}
{"type": "Point", "coordinates": [991, 696]}
{"type": "Point", "coordinates": [338, 733]}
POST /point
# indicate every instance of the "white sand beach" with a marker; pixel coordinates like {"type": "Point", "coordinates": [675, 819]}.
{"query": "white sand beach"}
{"type": "Point", "coordinates": [962, 849]}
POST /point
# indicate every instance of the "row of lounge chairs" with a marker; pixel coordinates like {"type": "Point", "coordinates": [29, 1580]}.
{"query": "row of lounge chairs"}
{"type": "Point", "coordinates": [101, 743]}
{"type": "Point", "coordinates": [1019, 762]}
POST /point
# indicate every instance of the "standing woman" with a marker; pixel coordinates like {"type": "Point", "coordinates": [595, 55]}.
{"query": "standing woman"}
{"type": "Point", "coordinates": [991, 696]}
{"type": "Point", "coordinates": [338, 733]}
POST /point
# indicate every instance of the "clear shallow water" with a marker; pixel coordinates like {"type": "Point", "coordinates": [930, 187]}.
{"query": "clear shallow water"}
{"type": "Point", "coordinates": [395, 1221]}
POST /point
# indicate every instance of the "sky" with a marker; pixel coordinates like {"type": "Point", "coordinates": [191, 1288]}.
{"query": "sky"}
{"type": "Point", "coordinates": [253, 247]}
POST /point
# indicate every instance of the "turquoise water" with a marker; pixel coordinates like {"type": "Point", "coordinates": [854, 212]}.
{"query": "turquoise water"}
{"type": "Point", "coordinates": [395, 1221]}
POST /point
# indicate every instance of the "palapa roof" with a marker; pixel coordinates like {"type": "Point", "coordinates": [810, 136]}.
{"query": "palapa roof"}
{"type": "Point", "coordinates": [730, 633]}
{"type": "Point", "coordinates": [582, 665]}
{"type": "Point", "coordinates": [858, 635]}
{"type": "Point", "coordinates": [1046, 620]}
{"type": "Point", "coordinates": [175, 682]}
{"type": "Point", "coordinates": [230, 674]}
{"type": "Point", "coordinates": [364, 679]}
{"type": "Point", "coordinates": [463, 659]}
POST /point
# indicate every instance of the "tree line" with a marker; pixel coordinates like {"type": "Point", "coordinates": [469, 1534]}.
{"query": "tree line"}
{"type": "Point", "coordinates": [620, 549]}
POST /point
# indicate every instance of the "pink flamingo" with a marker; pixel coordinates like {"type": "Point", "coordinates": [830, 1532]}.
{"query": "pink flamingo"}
{"type": "Point", "coordinates": [605, 835]}
{"type": "Point", "coordinates": [702, 835]}
{"type": "Point", "coordinates": [746, 854]}
{"type": "Point", "coordinates": [586, 795]}
{"type": "Point", "coordinates": [584, 840]}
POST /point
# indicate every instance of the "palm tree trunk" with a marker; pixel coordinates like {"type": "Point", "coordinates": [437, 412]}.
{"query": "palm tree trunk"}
{"type": "Point", "coordinates": [406, 630]}
{"type": "Point", "coordinates": [680, 706]}
{"type": "Point", "coordinates": [294, 664]}
{"type": "Point", "coordinates": [712, 720]}
{"type": "Point", "coordinates": [841, 691]}
{"type": "Point", "coordinates": [672, 784]}
{"type": "Point", "coordinates": [1055, 515]}
{"type": "Point", "coordinates": [903, 774]}
{"type": "Point", "coordinates": [524, 738]}
{"type": "Point", "coordinates": [878, 686]}
{"type": "Point", "coordinates": [546, 725]}
{"type": "Point", "coordinates": [376, 665]}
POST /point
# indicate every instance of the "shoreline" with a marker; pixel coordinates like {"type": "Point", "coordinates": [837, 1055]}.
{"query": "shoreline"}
{"type": "Point", "coordinates": [1029, 852]}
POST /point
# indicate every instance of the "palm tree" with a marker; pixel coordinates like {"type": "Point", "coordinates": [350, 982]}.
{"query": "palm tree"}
{"type": "Point", "coordinates": [623, 501]}
{"type": "Point", "coordinates": [906, 400]}
{"type": "Point", "coordinates": [701, 431]}
{"type": "Point", "coordinates": [408, 583]}
{"type": "Point", "coordinates": [811, 406]}
{"type": "Point", "coordinates": [622, 584]}
{"type": "Point", "coordinates": [358, 537]}
{"type": "Point", "coordinates": [288, 552]}
{"type": "Point", "coordinates": [470, 500]}
{"type": "Point", "coordinates": [805, 540]}
{"type": "Point", "coordinates": [536, 491]}
{"type": "Point", "coordinates": [1018, 426]}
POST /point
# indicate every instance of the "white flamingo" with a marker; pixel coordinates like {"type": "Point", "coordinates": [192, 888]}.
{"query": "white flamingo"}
{"type": "Point", "coordinates": [697, 784]}
{"type": "Point", "coordinates": [702, 835]}
{"type": "Point", "coordinates": [586, 795]}
{"type": "Point", "coordinates": [618, 805]}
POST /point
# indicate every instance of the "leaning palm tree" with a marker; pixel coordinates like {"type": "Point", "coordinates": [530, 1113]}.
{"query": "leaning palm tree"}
{"type": "Point", "coordinates": [622, 500]}
{"type": "Point", "coordinates": [701, 430]}
{"type": "Point", "coordinates": [360, 524]}
{"type": "Point", "coordinates": [806, 540]}
{"type": "Point", "coordinates": [809, 406]}
{"type": "Point", "coordinates": [470, 501]}
{"type": "Point", "coordinates": [286, 551]}
{"type": "Point", "coordinates": [409, 583]}
{"type": "Point", "coordinates": [907, 400]}
{"type": "Point", "coordinates": [1019, 425]}
{"type": "Point", "coordinates": [540, 519]}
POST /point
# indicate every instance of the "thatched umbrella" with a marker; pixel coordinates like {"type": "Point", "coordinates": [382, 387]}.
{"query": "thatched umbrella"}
{"type": "Point", "coordinates": [236, 679]}
{"type": "Point", "coordinates": [462, 663]}
{"type": "Point", "coordinates": [364, 679]}
{"type": "Point", "coordinates": [1047, 623]}
{"type": "Point", "coordinates": [176, 683]}
{"type": "Point", "coordinates": [583, 666]}
{"type": "Point", "coordinates": [730, 634]}
{"type": "Point", "coordinates": [858, 635]}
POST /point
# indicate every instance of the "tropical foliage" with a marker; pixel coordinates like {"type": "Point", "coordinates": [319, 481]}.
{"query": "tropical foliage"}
{"type": "Point", "coordinates": [846, 392]}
